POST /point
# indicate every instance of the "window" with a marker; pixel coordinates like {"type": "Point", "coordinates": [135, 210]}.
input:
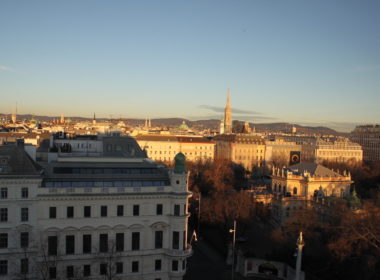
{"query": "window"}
{"type": "Point", "coordinates": [135, 266]}
{"type": "Point", "coordinates": [159, 209]}
{"type": "Point", "coordinates": [24, 214]}
{"type": "Point", "coordinates": [184, 265]}
{"type": "Point", "coordinates": [86, 270]}
{"type": "Point", "coordinates": [119, 267]}
{"type": "Point", "coordinates": [103, 269]}
{"type": "Point", "coordinates": [136, 210]}
{"type": "Point", "coordinates": [70, 211]}
{"type": "Point", "coordinates": [103, 242]}
{"type": "Point", "coordinates": [69, 271]}
{"type": "Point", "coordinates": [174, 265]}
{"type": "Point", "coordinates": [52, 245]}
{"type": "Point", "coordinates": [119, 242]}
{"type": "Point", "coordinates": [24, 266]}
{"type": "Point", "coordinates": [86, 243]}
{"type": "Point", "coordinates": [3, 267]}
{"type": "Point", "coordinates": [52, 212]}
{"type": "Point", "coordinates": [3, 214]}
{"type": "Point", "coordinates": [3, 240]}
{"type": "Point", "coordinates": [4, 193]}
{"type": "Point", "coordinates": [24, 239]}
{"type": "Point", "coordinates": [24, 192]}
{"type": "Point", "coordinates": [70, 244]}
{"type": "Point", "coordinates": [175, 240]}
{"type": "Point", "coordinates": [176, 209]}
{"type": "Point", "coordinates": [135, 240]}
{"type": "Point", "coordinates": [103, 211]}
{"type": "Point", "coordinates": [157, 265]}
{"type": "Point", "coordinates": [87, 211]}
{"type": "Point", "coordinates": [52, 272]}
{"type": "Point", "coordinates": [158, 237]}
{"type": "Point", "coordinates": [120, 210]}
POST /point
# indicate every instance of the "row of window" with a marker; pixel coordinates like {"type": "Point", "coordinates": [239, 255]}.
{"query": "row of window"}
{"type": "Point", "coordinates": [24, 240]}
{"type": "Point", "coordinates": [104, 268]}
{"type": "Point", "coordinates": [24, 214]}
{"type": "Point", "coordinates": [4, 193]}
{"type": "Point", "coordinates": [105, 244]}
{"type": "Point", "coordinates": [107, 184]}
{"type": "Point", "coordinates": [71, 170]}
{"type": "Point", "coordinates": [104, 211]}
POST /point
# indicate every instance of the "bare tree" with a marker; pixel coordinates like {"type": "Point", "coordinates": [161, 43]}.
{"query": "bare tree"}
{"type": "Point", "coordinates": [110, 260]}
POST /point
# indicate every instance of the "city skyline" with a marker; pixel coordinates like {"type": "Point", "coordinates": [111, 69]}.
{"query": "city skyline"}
{"type": "Point", "coordinates": [305, 63]}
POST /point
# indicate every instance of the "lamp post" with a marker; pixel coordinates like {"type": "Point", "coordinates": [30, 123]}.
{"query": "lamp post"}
{"type": "Point", "coordinates": [300, 244]}
{"type": "Point", "coordinates": [233, 249]}
{"type": "Point", "coordinates": [199, 213]}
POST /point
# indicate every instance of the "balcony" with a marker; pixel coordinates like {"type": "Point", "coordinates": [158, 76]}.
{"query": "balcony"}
{"type": "Point", "coordinates": [185, 253]}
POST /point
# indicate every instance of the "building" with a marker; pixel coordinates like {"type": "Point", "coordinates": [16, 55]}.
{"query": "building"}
{"type": "Point", "coordinates": [114, 214]}
{"type": "Point", "coordinates": [20, 180]}
{"type": "Point", "coordinates": [368, 136]}
{"type": "Point", "coordinates": [342, 150]}
{"type": "Point", "coordinates": [279, 152]}
{"type": "Point", "coordinates": [295, 187]}
{"type": "Point", "coordinates": [245, 149]}
{"type": "Point", "coordinates": [165, 147]}
{"type": "Point", "coordinates": [319, 149]}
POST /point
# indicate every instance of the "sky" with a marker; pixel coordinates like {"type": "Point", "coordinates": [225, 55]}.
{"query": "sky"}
{"type": "Point", "coordinates": [314, 62]}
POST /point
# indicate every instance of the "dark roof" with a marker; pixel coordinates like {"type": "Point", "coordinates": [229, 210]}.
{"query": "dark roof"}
{"type": "Point", "coordinates": [240, 138]}
{"type": "Point", "coordinates": [314, 169]}
{"type": "Point", "coordinates": [171, 138]}
{"type": "Point", "coordinates": [15, 161]}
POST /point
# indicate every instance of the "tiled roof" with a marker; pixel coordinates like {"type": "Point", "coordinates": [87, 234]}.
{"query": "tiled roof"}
{"type": "Point", "coordinates": [314, 169]}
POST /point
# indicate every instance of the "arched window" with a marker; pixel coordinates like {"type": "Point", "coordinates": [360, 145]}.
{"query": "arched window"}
{"type": "Point", "coordinates": [279, 188]}
{"type": "Point", "coordinates": [294, 190]}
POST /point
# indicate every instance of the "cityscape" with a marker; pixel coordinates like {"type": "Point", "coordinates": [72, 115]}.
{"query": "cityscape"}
{"type": "Point", "coordinates": [189, 140]}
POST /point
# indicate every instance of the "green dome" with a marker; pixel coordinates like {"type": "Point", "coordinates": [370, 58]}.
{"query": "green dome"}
{"type": "Point", "coordinates": [354, 201]}
{"type": "Point", "coordinates": [179, 163]}
{"type": "Point", "coordinates": [183, 126]}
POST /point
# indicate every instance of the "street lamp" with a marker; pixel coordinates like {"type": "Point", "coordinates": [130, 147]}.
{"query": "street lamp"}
{"type": "Point", "coordinates": [199, 213]}
{"type": "Point", "coordinates": [233, 249]}
{"type": "Point", "coordinates": [300, 244]}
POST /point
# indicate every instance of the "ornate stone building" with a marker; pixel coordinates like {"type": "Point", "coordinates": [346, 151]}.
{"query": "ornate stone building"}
{"type": "Point", "coordinates": [114, 215]}
{"type": "Point", "coordinates": [301, 183]}
{"type": "Point", "coordinates": [165, 147]}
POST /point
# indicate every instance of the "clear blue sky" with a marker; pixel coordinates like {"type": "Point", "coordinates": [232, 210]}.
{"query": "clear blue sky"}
{"type": "Point", "coordinates": [305, 61]}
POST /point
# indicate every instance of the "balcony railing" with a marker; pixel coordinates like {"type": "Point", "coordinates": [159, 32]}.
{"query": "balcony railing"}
{"type": "Point", "coordinates": [180, 252]}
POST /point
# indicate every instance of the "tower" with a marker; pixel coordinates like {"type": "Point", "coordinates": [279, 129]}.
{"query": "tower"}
{"type": "Point", "coordinates": [227, 115]}
{"type": "Point", "coordinates": [62, 119]}
{"type": "Point", "coordinates": [14, 115]}
{"type": "Point", "coordinates": [94, 120]}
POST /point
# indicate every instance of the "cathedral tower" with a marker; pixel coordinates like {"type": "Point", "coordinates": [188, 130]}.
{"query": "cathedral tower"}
{"type": "Point", "coordinates": [227, 115]}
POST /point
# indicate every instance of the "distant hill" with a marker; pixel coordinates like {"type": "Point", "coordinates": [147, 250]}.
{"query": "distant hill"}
{"type": "Point", "coordinates": [212, 124]}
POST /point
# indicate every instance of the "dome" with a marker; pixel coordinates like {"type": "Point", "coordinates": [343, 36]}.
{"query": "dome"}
{"type": "Point", "coordinates": [179, 163]}
{"type": "Point", "coordinates": [354, 201]}
{"type": "Point", "coordinates": [183, 126]}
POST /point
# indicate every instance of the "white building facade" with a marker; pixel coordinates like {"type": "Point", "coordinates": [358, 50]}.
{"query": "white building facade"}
{"type": "Point", "coordinates": [101, 217]}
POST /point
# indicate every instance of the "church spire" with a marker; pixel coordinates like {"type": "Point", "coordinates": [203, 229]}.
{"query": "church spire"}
{"type": "Point", "coordinates": [227, 115]}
